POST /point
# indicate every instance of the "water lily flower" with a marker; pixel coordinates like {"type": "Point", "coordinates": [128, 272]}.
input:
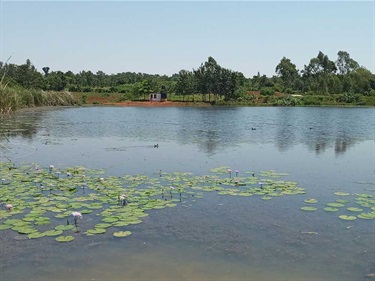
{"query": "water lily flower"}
{"type": "Point", "coordinates": [123, 199]}
{"type": "Point", "coordinates": [237, 171]}
{"type": "Point", "coordinates": [230, 172]}
{"type": "Point", "coordinates": [101, 179]}
{"type": "Point", "coordinates": [261, 184]}
{"type": "Point", "coordinates": [8, 207]}
{"type": "Point", "coordinates": [2, 181]}
{"type": "Point", "coordinates": [171, 187]}
{"type": "Point", "coordinates": [77, 215]}
{"type": "Point", "coordinates": [68, 175]}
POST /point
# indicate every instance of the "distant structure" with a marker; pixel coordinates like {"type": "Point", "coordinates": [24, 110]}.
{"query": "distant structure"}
{"type": "Point", "coordinates": [158, 97]}
{"type": "Point", "coordinates": [162, 96]}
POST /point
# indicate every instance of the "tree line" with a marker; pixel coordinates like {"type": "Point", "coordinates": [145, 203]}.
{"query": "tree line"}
{"type": "Point", "coordinates": [213, 82]}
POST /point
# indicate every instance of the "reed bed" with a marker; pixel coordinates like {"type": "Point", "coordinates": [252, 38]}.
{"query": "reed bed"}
{"type": "Point", "coordinates": [12, 99]}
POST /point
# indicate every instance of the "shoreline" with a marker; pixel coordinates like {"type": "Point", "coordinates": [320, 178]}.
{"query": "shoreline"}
{"type": "Point", "coordinates": [158, 104]}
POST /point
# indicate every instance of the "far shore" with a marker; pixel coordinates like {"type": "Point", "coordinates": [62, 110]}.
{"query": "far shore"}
{"type": "Point", "coordinates": [157, 104]}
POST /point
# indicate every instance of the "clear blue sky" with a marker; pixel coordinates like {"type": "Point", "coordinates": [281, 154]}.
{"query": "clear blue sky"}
{"type": "Point", "coordinates": [165, 37]}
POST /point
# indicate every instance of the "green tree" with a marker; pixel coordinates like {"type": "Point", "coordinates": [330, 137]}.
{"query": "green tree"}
{"type": "Point", "coordinates": [345, 63]}
{"type": "Point", "coordinates": [185, 84]}
{"type": "Point", "coordinates": [288, 73]}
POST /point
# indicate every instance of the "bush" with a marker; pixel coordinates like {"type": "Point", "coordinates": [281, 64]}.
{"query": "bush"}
{"type": "Point", "coordinates": [348, 98]}
{"type": "Point", "coordinates": [267, 92]}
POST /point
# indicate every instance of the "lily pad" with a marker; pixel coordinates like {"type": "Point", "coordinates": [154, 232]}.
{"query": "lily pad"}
{"type": "Point", "coordinates": [335, 205]}
{"type": "Point", "coordinates": [121, 233]}
{"type": "Point", "coordinates": [311, 201]}
{"type": "Point", "coordinates": [35, 235]}
{"type": "Point", "coordinates": [64, 227]}
{"type": "Point", "coordinates": [347, 218]}
{"type": "Point", "coordinates": [308, 208]}
{"type": "Point", "coordinates": [367, 216]}
{"type": "Point", "coordinates": [53, 232]}
{"type": "Point", "coordinates": [330, 209]}
{"type": "Point", "coordinates": [95, 231]}
{"type": "Point", "coordinates": [64, 238]}
{"type": "Point", "coordinates": [354, 209]}
{"type": "Point", "coordinates": [339, 193]}
{"type": "Point", "coordinates": [5, 226]}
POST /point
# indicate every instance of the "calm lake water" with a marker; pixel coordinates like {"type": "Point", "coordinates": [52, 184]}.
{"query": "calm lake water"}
{"type": "Point", "coordinates": [325, 150]}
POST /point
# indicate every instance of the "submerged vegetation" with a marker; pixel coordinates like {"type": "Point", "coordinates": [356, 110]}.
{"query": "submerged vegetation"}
{"type": "Point", "coordinates": [39, 202]}
{"type": "Point", "coordinates": [321, 82]}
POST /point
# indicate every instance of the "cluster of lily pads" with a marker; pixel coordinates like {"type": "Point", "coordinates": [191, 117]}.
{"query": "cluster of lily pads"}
{"type": "Point", "coordinates": [365, 206]}
{"type": "Point", "coordinates": [40, 202]}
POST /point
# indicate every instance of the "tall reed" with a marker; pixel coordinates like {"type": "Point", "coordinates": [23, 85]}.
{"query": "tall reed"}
{"type": "Point", "coordinates": [12, 99]}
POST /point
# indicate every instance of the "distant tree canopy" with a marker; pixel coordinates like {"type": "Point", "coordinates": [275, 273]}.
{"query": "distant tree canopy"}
{"type": "Point", "coordinates": [321, 75]}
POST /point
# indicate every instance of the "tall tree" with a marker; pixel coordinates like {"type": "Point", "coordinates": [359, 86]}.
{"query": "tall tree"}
{"type": "Point", "coordinates": [345, 63]}
{"type": "Point", "coordinates": [288, 72]}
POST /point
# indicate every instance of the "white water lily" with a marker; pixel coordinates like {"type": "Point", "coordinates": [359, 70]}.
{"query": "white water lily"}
{"type": "Point", "coordinates": [77, 215]}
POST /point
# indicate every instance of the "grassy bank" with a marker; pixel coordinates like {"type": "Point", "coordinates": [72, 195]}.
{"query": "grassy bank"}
{"type": "Point", "coordinates": [12, 99]}
{"type": "Point", "coordinates": [338, 100]}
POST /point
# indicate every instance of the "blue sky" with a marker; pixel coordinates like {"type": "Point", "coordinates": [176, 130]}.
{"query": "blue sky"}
{"type": "Point", "coordinates": [165, 37]}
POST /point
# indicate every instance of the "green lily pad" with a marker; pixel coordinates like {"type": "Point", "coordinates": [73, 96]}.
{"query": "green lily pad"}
{"type": "Point", "coordinates": [308, 208]}
{"type": "Point", "coordinates": [53, 232]}
{"type": "Point", "coordinates": [354, 209]}
{"type": "Point", "coordinates": [121, 223]}
{"type": "Point", "coordinates": [347, 218]}
{"type": "Point", "coordinates": [95, 231]}
{"type": "Point", "coordinates": [5, 226]}
{"type": "Point", "coordinates": [103, 225]}
{"type": "Point", "coordinates": [24, 230]}
{"type": "Point", "coordinates": [64, 227]}
{"type": "Point", "coordinates": [121, 233]}
{"type": "Point", "coordinates": [342, 193]}
{"type": "Point", "coordinates": [364, 195]}
{"type": "Point", "coordinates": [86, 211]}
{"type": "Point", "coordinates": [110, 219]}
{"type": "Point", "coordinates": [35, 235]}
{"type": "Point", "coordinates": [311, 201]}
{"type": "Point", "coordinates": [330, 209]}
{"type": "Point", "coordinates": [367, 216]}
{"type": "Point", "coordinates": [335, 205]}
{"type": "Point", "coordinates": [64, 238]}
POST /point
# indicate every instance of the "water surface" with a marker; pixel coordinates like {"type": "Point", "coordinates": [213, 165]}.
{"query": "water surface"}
{"type": "Point", "coordinates": [219, 237]}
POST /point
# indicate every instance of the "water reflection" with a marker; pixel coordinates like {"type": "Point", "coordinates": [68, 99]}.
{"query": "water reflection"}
{"type": "Point", "coordinates": [211, 130]}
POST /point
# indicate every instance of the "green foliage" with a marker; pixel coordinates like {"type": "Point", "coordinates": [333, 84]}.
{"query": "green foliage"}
{"type": "Point", "coordinates": [348, 98]}
{"type": "Point", "coordinates": [340, 82]}
{"type": "Point", "coordinates": [267, 91]}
